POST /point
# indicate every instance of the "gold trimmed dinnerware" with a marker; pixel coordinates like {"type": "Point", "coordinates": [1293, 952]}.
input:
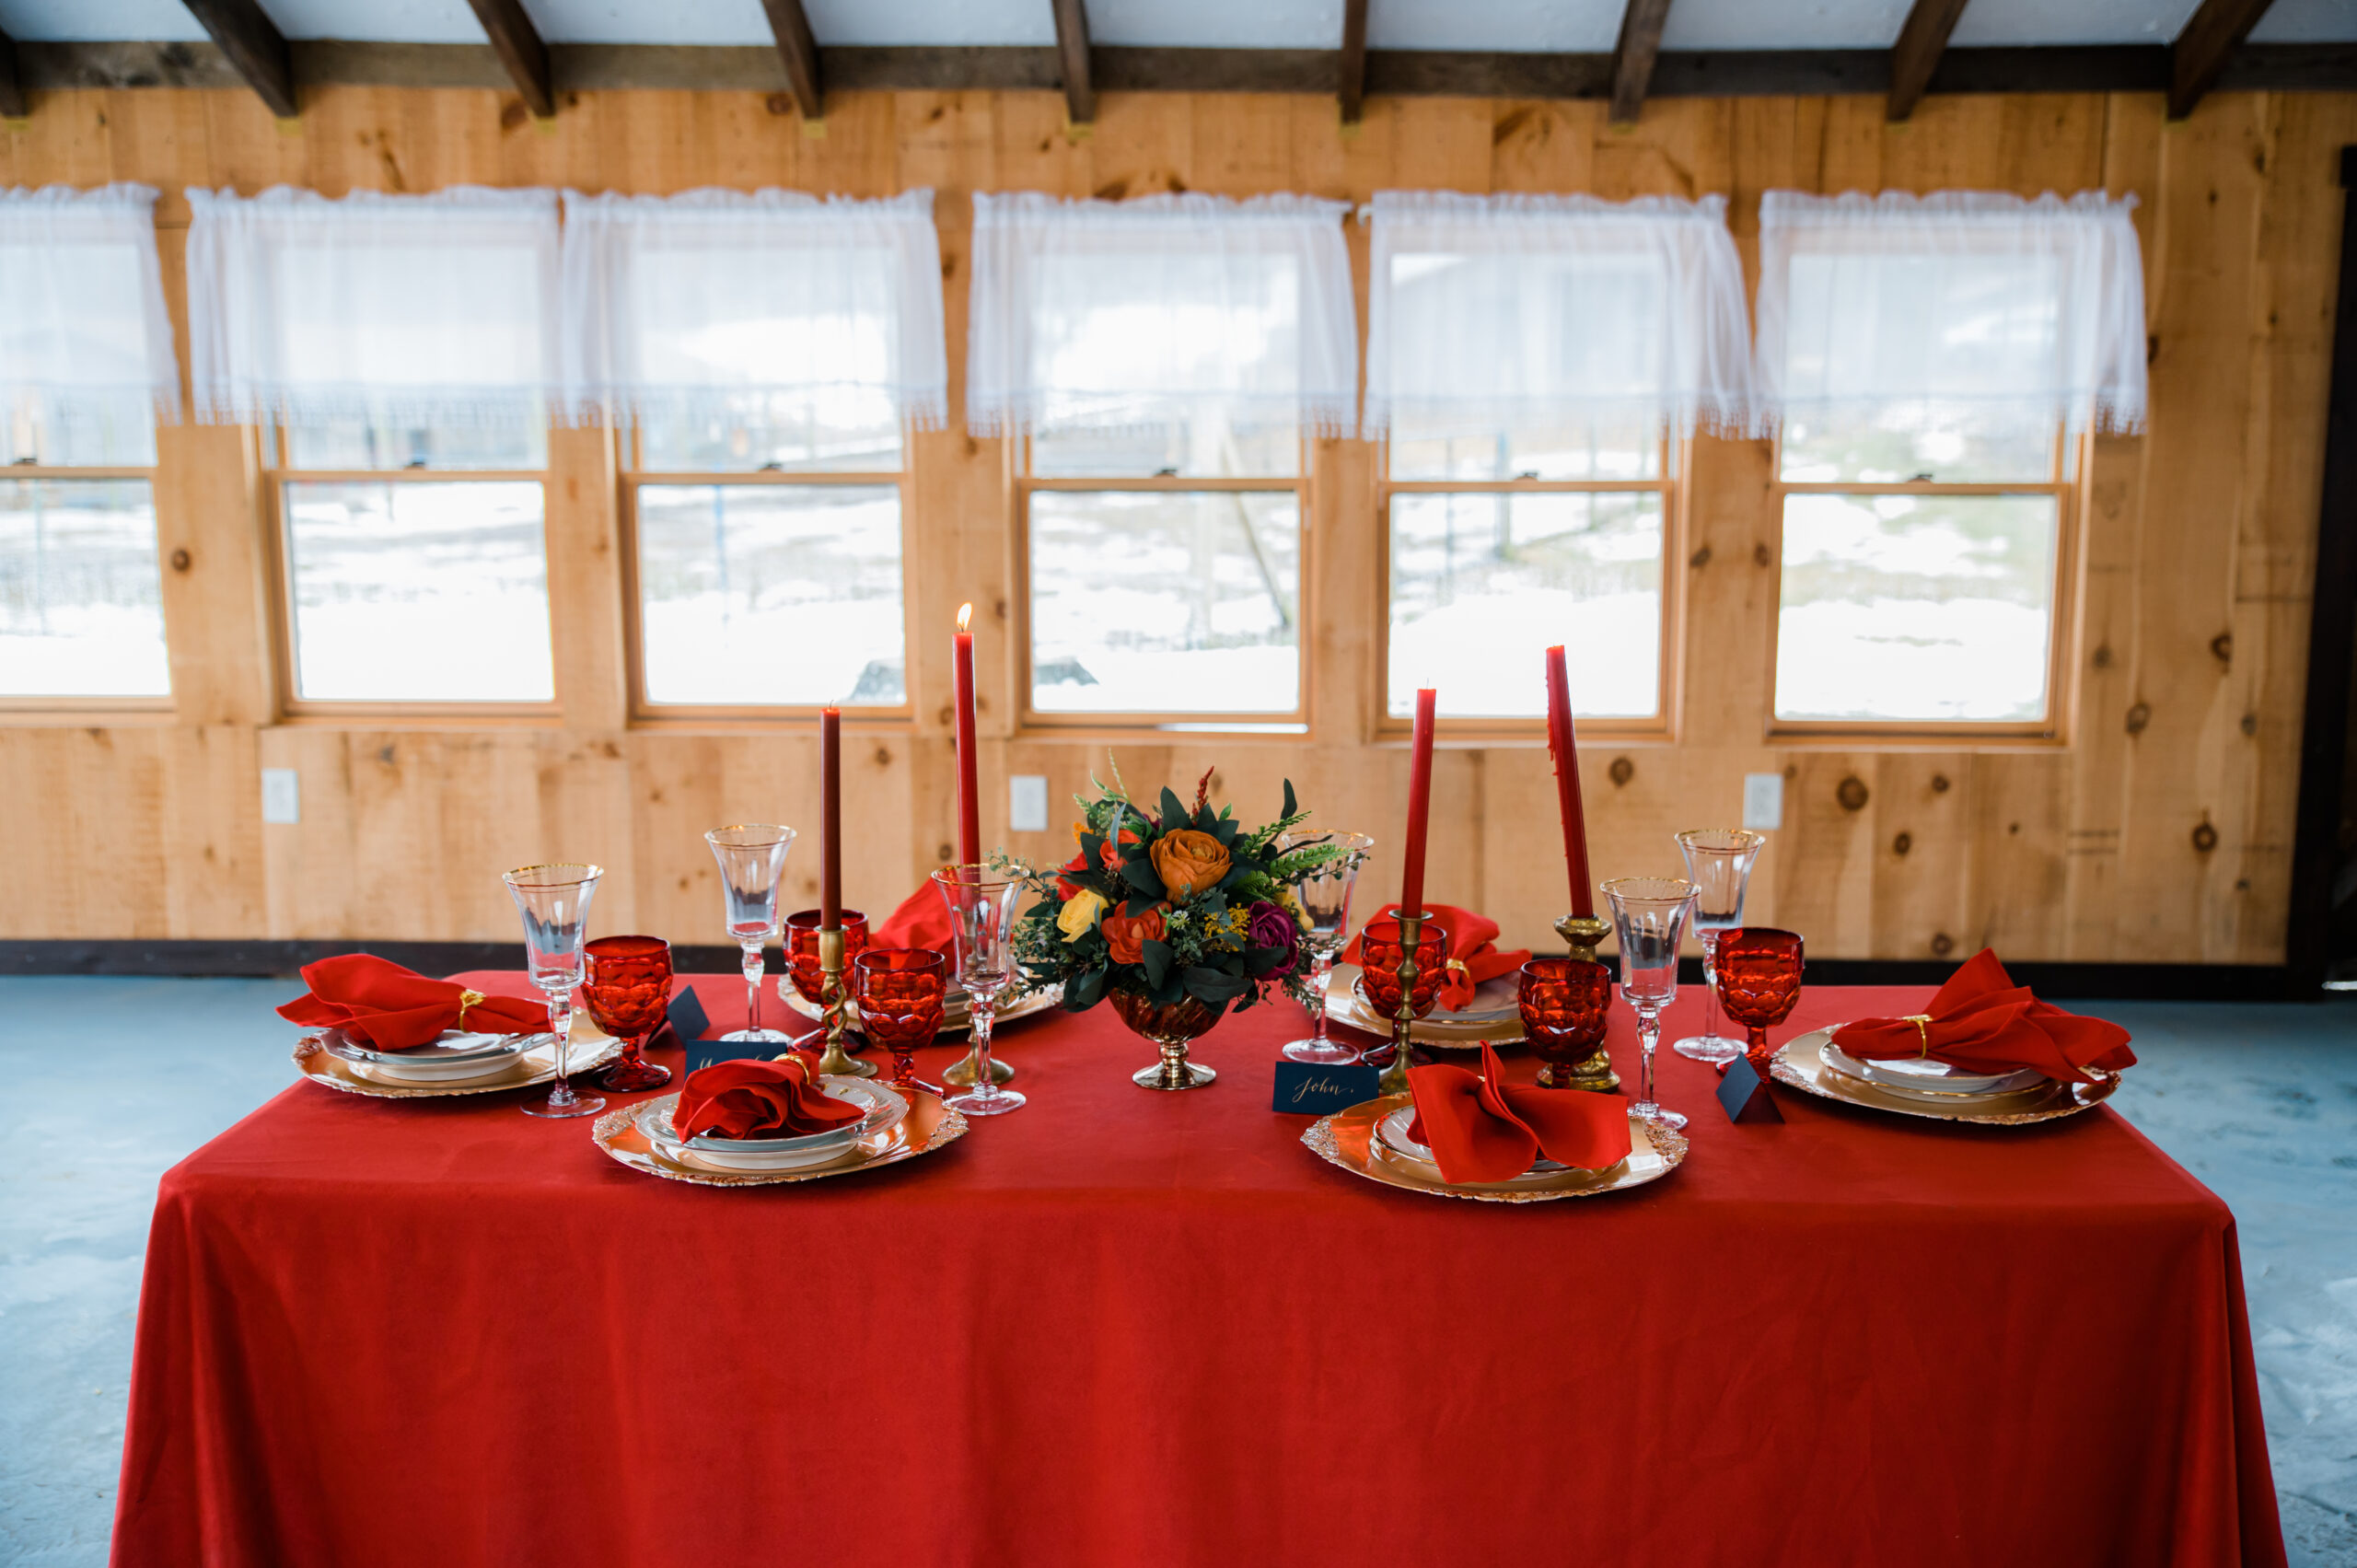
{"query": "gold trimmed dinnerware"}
{"type": "Point", "coordinates": [926, 1125]}
{"type": "Point", "coordinates": [1371, 1140]}
{"type": "Point", "coordinates": [1813, 1064]}
{"type": "Point", "coordinates": [350, 1069]}
{"type": "Point", "coordinates": [1493, 1017]}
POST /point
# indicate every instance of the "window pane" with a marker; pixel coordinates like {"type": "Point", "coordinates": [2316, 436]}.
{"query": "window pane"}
{"type": "Point", "coordinates": [357, 444]}
{"type": "Point", "coordinates": [1482, 584]}
{"type": "Point", "coordinates": [81, 599]}
{"type": "Point", "coordinates": [1204, 448]}
{"type": "Point", "coordinates": [1165, 602]}
{"type": "Point", "coordinates": [855, 432]}
{"type": "Point", "coordinates": [1596, 449]}
{"type": "Point", "coordinates": [1916, 606]}
{"type": "Point", "coordinates": [93, 440]}
{"type": "Point", "coordinates": [770, 594]}
{"type": "Point", "coordinates": [421, 592]}
{"type": "Point", "coordinates": [1902, 444]}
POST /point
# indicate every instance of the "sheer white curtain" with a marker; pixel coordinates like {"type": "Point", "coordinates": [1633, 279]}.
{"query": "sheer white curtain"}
{"type": "Point", "coordinates": [1493, 314]}
{"type": "Point", "coordinates": [1963, 307]}
{"type": "Point", "coordinates": [85, 345]}
{"type": "Point", "coordinates": [411, 312]}
{"type": "Point", "coordinates": [1159, 313]}
{"type": "Point", "coordinates": [715, 304]}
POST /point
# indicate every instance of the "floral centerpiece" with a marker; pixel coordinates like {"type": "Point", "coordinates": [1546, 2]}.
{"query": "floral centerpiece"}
{"type": "Point", "coordinates": [1174, 915]}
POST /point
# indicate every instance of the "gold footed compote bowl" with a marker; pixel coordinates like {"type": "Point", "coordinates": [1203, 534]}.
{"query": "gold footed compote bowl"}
{"type": "Point", "coordinates": [1171, 1026]}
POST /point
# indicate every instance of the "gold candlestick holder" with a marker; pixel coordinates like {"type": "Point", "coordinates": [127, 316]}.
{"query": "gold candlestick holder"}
{"type": "Point", "coordinates": [1581, 932]}
{"type": "Point", "coordinates": [833, 999]}
{"type": "Point", "coordinates": [1403, 1017]}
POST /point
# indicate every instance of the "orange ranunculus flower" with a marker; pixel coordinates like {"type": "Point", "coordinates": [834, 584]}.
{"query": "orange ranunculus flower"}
{"type": "Point", "coordinates": [1188, 860]}
{"type": "Point", "coordinates": [1124, 933]}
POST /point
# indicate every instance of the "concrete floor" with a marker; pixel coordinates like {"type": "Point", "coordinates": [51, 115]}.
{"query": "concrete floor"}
{"type": "Point", "coordinates": [114, 1080]}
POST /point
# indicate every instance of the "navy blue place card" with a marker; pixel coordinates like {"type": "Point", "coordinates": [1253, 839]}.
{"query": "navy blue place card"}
{"type": "Point", "coordinates": [703, 1053]}
{"type": "Point", "coordinates": [1743, 1094]}
{"type": "Point", "coordinates": [1316, 1088]}
{"type": "Point", "coordinates": [689, 1020]}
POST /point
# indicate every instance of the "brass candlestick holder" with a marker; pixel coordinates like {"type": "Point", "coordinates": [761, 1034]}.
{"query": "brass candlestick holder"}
{"type": "Point", "coordinates": [1581, 932]}
{"type": "Point", "coordinates": [1403, 1017]}
{"type": "Point", "coordinates": [833, 999]}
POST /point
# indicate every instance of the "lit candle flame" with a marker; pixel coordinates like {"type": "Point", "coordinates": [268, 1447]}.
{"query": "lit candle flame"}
{"type": "Point", "coordinates": [965, 614]}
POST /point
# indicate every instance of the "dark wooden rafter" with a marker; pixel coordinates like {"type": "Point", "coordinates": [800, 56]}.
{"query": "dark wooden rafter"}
{"type": "Point", "coordinates": [1634, 57]}
{"type": "Point", "coordinates": [791, 27]}
{"type": "Point", "coordinates": [521, 53]}
{"type": "Point", "coordinates": [1072, 49]}
{"type": "Point", "coordinates": [1917, 53]}
{"type": "Point", "coordinates": [12, 86]}
{"type": "Point", "coordinates": [2200, 51]}
{"type": "Point", "coordinates": [1352, 87]}
{"type": "Point", "coordinates": [256, 49]}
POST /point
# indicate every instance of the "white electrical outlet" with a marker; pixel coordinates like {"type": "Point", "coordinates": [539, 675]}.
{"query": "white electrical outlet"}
{"type": "Point", "coordinates": [282, 796]}
{"type": "Point", "coordinates": [1764, 801]}
{"type": "Point", "coordinates": [1027, 803]}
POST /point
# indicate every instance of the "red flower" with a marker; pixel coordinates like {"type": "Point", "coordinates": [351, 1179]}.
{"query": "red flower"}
{"type": "Point", "coordinates": [1112, 851]}
{"type": "Point", "coordinates": [1065, 886]}
{"type": "Point", "coordinates": [1124, 933]}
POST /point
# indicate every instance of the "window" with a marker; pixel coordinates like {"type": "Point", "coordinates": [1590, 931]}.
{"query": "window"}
{"type": "Point", "coordinates": [1533, 362]}
{"type": "Point", "coordinates": [1936, 362]}
{"type": "Point", "coordinates": [1160, 362]}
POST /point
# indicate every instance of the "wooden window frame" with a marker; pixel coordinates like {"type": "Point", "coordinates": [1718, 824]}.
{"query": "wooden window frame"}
{"type": "Point", "coordinates": [107, 710]}
{"type": "Point", "coordinates": [632, 474]}
{"type": "Point", "coordinates": [276, 474]}
{"type": "Point", "coordinates": [1669, 483]}
{"type": "Point", "coordinates": [1065, 726]}
{"type": "Point", "coordinates": [2066, 485]}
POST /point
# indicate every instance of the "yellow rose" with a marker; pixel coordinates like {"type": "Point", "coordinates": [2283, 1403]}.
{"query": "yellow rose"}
{"type": "Point", "coordinates": [1291, 906]}
{"type": "Point", "coordinates": [1078, 917]}
{"type": "Point", "coordinates": [1189, 861]}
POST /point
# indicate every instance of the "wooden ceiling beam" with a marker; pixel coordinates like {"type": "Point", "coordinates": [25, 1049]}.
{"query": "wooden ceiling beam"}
{"type": "Point", "coordinates": [2200, 51]}
{"type": "Point", "coordinates": [254, 47]}
{"type": "Point", "coordinates": [790, 25]}
{"type": "Point", "coordinates": [12, 83]}
{"type": "Point", "coordinates": [1917, 53]}
{"type": "Point", "coordinates": [521, 53]}
{"type": "Point", "coordinates": [1352, 86]}
{"type": "Point", "coordinates": [1072, 49]}
{"type": "Point", "coordinates": [1634, 57]}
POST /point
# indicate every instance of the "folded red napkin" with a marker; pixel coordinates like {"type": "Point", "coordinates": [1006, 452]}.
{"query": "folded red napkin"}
{"type": "Point", "coordinates": [759, 1099]}
{"type": "Point", "coordinates": [1984, 1023]}
{"type": "Point", "coordinates": [1480, 1129]}
{"type": "Point", "coordinates": [921, 921]}
{"type": "Point", "coordinates": [380, 1003]}
{"type": "Point", "coordinates": [1473, 956]}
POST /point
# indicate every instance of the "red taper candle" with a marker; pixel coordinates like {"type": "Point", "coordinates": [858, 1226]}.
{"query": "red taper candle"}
{"type": "Point", "coordinates": [830, 818]}
{"type": "Point", "coordinates": [1565, 750]}
{"type": "Point", "coordinates": [969, 794]}
{"type": "Point", "coordinates": [1420, 801]}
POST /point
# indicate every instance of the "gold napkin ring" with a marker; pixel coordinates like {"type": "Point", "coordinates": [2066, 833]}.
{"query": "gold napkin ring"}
{"type": "Point", "coordinates": [1923, 1022]}
{"type": "Point", "coordinates": [466, 1000]}
{"type": "Point", "coordinates": [1458, 965]}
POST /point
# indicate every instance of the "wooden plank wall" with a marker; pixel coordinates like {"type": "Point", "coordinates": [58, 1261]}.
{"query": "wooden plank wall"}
{"type": "Point", "coordinates": [2194, 558]}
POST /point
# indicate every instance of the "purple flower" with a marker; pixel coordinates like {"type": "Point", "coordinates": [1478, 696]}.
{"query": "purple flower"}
{"type": "Point", "coordinates": [1269, 926]}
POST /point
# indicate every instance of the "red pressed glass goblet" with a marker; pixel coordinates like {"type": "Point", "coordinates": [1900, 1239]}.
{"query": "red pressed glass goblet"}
{"type": "Point", "coordinates": [898, 991]}
{"type": "Point", "coordinates": [1566, 1006]}
{"type": "Point", "coordinates": [1380, 951]}
{"type": "Point", "coordinates": [802, 951]}
{"type": "Point", "coordinates": [1758, 970]}
{"type": "Point", "coordinates": [626, 982]}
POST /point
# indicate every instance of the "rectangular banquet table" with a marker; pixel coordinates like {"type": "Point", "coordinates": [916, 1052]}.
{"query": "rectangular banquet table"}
{"type": "Point", "coordinates": [1123, 1328]}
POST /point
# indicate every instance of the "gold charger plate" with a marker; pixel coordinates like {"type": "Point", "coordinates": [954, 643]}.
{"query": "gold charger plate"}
{"type": "Point", "coordinates": [1348, 1139]}
{"type": "Point", "coordinates": [1346, 1004]}
{"type": "Point", "coordinates": [928, 1126]}
{"type": "Point", "coordinates": [1801, 1063]}
{"type": "Point", "coordinates": [536, 1065]}
{"type": "Point", "coordinates": [952, 1022]}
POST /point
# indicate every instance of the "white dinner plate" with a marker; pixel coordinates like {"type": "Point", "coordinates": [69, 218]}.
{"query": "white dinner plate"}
{"type": "Point", "coordinates": [885, 1109]}
{"type": "Point", "coordinates": [1923, 1078]}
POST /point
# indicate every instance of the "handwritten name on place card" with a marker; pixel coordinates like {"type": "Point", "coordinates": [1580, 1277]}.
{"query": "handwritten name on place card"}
{"type": "Point", "coordinates": [1313, 1088]}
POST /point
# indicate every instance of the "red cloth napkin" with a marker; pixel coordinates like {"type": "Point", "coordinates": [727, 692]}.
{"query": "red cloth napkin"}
{"type": "Point", "coordinates": [759, 1099]}
{"type": "Point", "coordinates": [1472, 954]}
{"type": "Point", "coordinates": [1984, 1023]}
{"type": "Point", "coordinates": [380, 1003]}
{"type": "Point", "coordinates": [1480, 1129]}
{"type": "Point", "coordinates": [921, 921]}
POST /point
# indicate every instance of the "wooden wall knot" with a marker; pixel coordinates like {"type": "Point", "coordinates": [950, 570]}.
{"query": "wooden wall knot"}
{"type": "Point", "coordinates": [1621, 771]}
{"type": "Point", "coordinates": [2138, 717]}
{"type": "Point", "coordinates": [1942, 944]}
{"type": "Point", "coordinates": [1902, 844]}
{"type": "Point", "coordinates": [181, 559]}
{"type": "Point", "coordinates": [1851, 793]}
{"type": "Point", "coordinates": [1940, 784]}
{"type": "Point", "coordinates": [2222, 647]}
{"type": "Point", "coordinates": [2205, 837]}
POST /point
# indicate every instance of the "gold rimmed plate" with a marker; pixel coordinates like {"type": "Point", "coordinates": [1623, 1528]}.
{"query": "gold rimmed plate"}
{"type": "Point", "coordinates": [1801, 1063]}
{"type": "Point", "coordinates": [536, 1065]}
{"type": "Point", "coordinates": [928, 1126]}
{"type": "Point", "coordinates": [955, 1019]}
{"type": "Point", "coordinates": [1347, 1004]}
{"type": "Point", "coordinates": [1352, 1139]}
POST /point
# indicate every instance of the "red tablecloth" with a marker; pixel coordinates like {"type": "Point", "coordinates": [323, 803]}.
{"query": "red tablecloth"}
{"type": "Point", "coordinates": [1121, 1328]}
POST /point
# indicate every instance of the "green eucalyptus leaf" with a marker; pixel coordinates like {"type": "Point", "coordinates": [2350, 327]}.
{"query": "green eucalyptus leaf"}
{"type": "Point", "coordinates": [1292, 808]}
{"type": "Point", "coordinates": [1141, 874]}
{"type": "Point", "coordinates": [1156, 957]}
{"type": "Point", "coordinates": [1174, 811]}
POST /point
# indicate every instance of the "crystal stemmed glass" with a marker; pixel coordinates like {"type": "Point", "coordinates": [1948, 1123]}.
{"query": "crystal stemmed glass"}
{"type": "Point", "coordinates": [628, 990]}
{"type": "Point", "coordinates": [1760, 975]}
{"type": "Point", "coordinates": [1649, 914]}
{"type": "Point", "coordinates": [1326, 898]}
{"type": "Point", "coordinates": [751, 857]}
{"type": "Point", "coordinates": [899, 991]}
{"type": "Point", "coordinates": [981, 916]}
{"type": "Point", "coordinates": [554, 903]}
{"type": "Point", "coordinates": [1718, 861]}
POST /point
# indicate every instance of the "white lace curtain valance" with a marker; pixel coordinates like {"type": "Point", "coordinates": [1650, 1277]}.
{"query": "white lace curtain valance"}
{"type": "Point", "coordinates": [1160, 313]}
{"type": "Point", "coordinates": [720, 306]}
{"type": "Point", "coordinates": [86, 346]}
{"type": "Point", "coordinates": [409, 312]}
{"type": "Point", "coordinates": [1489, 314]}
{"type": "Point", "coordinates": [1966, 307]}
